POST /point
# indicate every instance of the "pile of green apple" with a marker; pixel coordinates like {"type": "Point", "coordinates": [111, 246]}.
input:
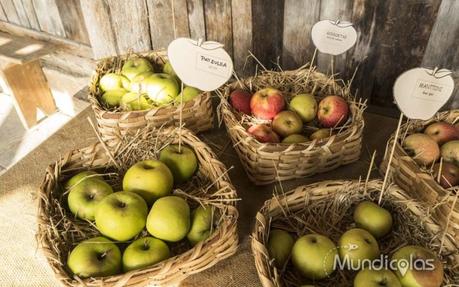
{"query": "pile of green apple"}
{"type": "Point", "coordinates": [439, 140]}
{"type": "Point", "coordinates": [313, 255]}
{"type": "Point", "coordinates": [286, 125]}
{"type": "Point", "coordinates": [139, 87]}
{"type": "Point", "coordinates": [146, 202]}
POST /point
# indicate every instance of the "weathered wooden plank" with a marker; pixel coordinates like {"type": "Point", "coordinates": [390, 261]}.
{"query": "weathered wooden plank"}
{"type": "Point", "coordinates": [130, 24]}
{"type": "Point", "coordinates": [72, 19]}
{"type": "Point", "coordinates": [267, 30]}
{"type": "Point", "coordinates": [161, 23]}
{"type": "Point", "coordinates": [299, 17]}
{"type": "Point", "coordinates": [96, 15]}
{"type": "Point", "coordinates": [441, 51]}
{"type": "Point", "coordinates": [48, 17]}
{"type": "Point", "coordinates": [218, 23]}
{"type": "Point", "coordinates": [242, 35]}
{"type": "Point", "coordinates": [334, 10]}
{"type": "Point", "coordinates": [181, 26]}
{"type": "Point", "coordinates": [196, 19]}
{"type": "Point", "coordinates": [10, 11]}
{"type": "Point", "coordinates": [30, 12]}
{"type": "Point", "coordinates": [21, 12]}
{"type": "Point", "coordinates": [2, 14]}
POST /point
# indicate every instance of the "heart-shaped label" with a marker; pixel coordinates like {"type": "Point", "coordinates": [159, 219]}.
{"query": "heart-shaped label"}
{"type": "Point", "coordinates": [419, 93]}
{"type": "Point", "coordinates": [203, 65]}
{"type": "Point", "coordinates": [333, 37]}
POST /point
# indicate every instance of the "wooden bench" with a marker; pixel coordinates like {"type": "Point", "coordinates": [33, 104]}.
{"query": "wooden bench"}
{"type": "Point", "coordinates": [23, 77]}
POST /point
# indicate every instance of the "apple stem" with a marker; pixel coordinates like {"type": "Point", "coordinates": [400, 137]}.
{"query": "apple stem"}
{"type": "Point", "coordinates": [391, 156]}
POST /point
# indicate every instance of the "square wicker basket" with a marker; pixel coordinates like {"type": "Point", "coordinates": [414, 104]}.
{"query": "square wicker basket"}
{"type": "Point", "coordinates": [197, 114]}
{"type": "Point", "coordinates": [271, 162]}
{"type": "Point", "coordinates": [59, 230]}
{"type": "Point", "coordinates": [418, 182]}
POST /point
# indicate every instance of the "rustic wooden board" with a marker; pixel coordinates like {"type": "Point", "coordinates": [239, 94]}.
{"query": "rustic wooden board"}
{"type": "Point", "coordinates": [48, 17]}
{"type": "Point", "coordinates": [22, 14]}
{"type": "Point", "coordinates": [2, 14]}
{"type": "Point", "coordinates": [71, 15]}
{"type": "Point", "coordinates": [21, 50]}
{"type": "Point", "coordinates": [334, 10]}
{"type": "Point", "coordinates": [30, 12]}
{"type": "Point", "coordinates": [196, 19]}
{"type": "Point", "coordinates": [218, 23]}
{"type": "Point", "coordinates": [267, 30]}
{"type": "Point", "coordinates": [180, 16]}
{"type": "Point", "coordinates": [242, 36]}
{"type": "Point", "coordinates": [130, 24]}
{"type": "Point", "coordinates": [101, 35]}
{"type": "Point", "coordinates": [10, 11]}
{"type": "Point", "coordinates": [161, 19]}
{"type": "Point", "coordinates": [299, 17]}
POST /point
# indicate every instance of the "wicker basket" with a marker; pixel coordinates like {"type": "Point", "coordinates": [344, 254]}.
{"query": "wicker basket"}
{"type": "Point", "coordinates": [59, 230]}
{"type": "Point", "coordinates": [267, 162]}
{"type": "Point", "coordinates": [418, 182]}
{"type": "Point", "coordinates": [326, 208]}
{"type": "Point", "coordinates": [197, 114]}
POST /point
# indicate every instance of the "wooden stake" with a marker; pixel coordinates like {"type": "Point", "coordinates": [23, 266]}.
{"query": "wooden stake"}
{"type": "Point", "coordinates": [391, 156]}
{"type": "Point", "coordinates": [180, 119]}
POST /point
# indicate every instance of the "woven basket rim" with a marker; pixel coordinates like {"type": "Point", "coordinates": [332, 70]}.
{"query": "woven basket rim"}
{"type": "Point", "coordinates": [224, 239]}
{"type": "Point", "coordinates": [408, 128]}
{"type": "Point", "coordinates": [229, 116]}
{"type": "Point", "coordinates": [93, 95]}
{"type": "Point", "coordinates": [268, 273]}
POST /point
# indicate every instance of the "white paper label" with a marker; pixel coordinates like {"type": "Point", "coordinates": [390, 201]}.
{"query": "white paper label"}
{"type": "Point", "coordinates": [333, 37]}
{"type": "Point", "coordinates": [420, 93]}
{"type": "Point", "coordinates": [205, 66]}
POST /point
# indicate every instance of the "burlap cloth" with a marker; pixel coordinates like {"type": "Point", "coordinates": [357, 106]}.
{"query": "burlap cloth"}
{"type": "Point", "coordinates": [22, 263]}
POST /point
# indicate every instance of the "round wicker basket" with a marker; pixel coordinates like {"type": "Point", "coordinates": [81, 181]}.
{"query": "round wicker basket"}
{"type": "Point", "coordinates": [418, 182]}
{"type": "Point", "coordinates": [59, 230]}
{"type": "Point", "coordinates": [197, 114]}
{"type": "Point", "coordinates": [326, 208]}
{"type": "Point", "coordinates": [270, 162]}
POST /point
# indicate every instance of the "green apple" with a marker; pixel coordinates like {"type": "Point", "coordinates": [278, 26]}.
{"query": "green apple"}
{"type": "Point", "coordinates": [86, 191]}
{"type": "Point", "coordinates": [167, 69]}
{"type": "Point", "coordinates": [313, 255]}
{"type": "Point", "coordinates": [169, 219]}
{"type": "Point", "coordinates": [95, 257]}
{"type": "Point", "coordinates": [305, 105]}
{"type": "Point", "coordinates": [321, 134]}
{"type": "Point", "coordinates": [121, 215]}
{"type": "Point", "coordinates": [144, 252]}
{"type": "Point", "coordinates": [356, 245]}
{"type": "Point", "coordinates": [151, 179]}
{"type": "Point", "coordinates": [112, 81]}
{"type": "Point", "coordinates": [135, 102]}
{"type": "Point", "coordinates": [112, 98]}
{"type": "Point", "coordinates": [162, 89]}
{"type": "Point", "coordinates": [376, 278]}
{"type": "Point", "coordinates": [295, 138]}
{"type": "Point", "coordinates": [135, 66]}
{"type": "Point", "coordinates": [201, 224]}
{"type": "Point", "coordinates": [424, 269]}
{"type": "Point", "coordinates": [280, 245]}
{"type": "Point", "coordinates": [188, 94]}
{"type": "Point", "coordinates": [373, 218]}
{"type": "Point", "coordinates": [137, 84]}
{"type": "Point", "coordinates": [182, 162]}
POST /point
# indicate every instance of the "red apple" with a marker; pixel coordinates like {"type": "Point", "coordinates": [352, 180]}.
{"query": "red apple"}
{"type": "Point", "coordinates": [442, 132]}
{"type": "Point", "coordinates": [422, 148]}
{"type": "Point", "coordinates": [449, 174]}
{"type": "Point", "coordinates": [287, 123]}
{"type": "Point", "coordinates": [263, 134]}
{"type": "Point", "coordinates": [240, 100]}
{"type": "Point", "coordinates": [267, 103]}
{"type": "Point", "coordinates": [333, 111]}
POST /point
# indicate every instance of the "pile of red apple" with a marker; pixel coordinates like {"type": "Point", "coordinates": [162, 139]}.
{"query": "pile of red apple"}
{"type": "Point", "coordinates": [316, 257]}
{"type": "Point", "coordinates": [439, 140]}
{"type": "Point", "coordinates": [286, 121]}
{"type": "Point", "coordinates": [139, 87]}
{"type": "Point", "coordinates": [138, 224]}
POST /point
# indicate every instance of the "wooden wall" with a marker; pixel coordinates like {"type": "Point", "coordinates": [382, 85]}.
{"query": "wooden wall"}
{"type": "Point", "coordinates": [393, 35]}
